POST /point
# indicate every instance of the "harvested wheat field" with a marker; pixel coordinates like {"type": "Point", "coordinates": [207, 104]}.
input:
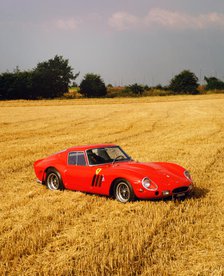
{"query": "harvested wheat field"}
{"type": "Point", "coordinates": [72, 233]}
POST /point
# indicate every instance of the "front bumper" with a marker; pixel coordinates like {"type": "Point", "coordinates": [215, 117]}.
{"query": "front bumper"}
{"type": "Point", "coordinates": [176, 193]}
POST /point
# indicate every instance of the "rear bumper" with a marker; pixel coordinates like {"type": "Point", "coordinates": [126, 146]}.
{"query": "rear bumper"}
{"type": "Point", "coordinates": [39, 181]}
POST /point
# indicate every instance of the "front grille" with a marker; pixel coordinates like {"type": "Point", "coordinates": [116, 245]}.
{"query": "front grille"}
{"type": "Point", "coordinates": [180, 190]}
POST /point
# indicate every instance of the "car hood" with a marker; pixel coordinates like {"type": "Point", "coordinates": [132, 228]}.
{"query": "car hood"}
{"type": "Point", "coordinates": [159, 172]}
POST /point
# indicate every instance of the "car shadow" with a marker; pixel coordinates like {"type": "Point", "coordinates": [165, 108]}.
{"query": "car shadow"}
{"type": "Point", "coordinates": [199, 192]}
{"type": "Point", "coordinates": [195, 194]}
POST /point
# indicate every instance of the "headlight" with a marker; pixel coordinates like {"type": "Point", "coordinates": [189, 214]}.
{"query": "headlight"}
{"type": "Point", "coordinates": [148, 184]}
{"type": "Point", "coordinates": [187, 175]}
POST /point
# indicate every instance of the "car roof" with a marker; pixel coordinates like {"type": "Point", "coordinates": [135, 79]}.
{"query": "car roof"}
{"type": "Point", "coordinates": [86, 147]}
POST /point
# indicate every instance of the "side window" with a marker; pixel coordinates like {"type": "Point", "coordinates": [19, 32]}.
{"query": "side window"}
{"type": "Point", "coordinates": [76, 158]}
{"type": "Point", "coordinates": [80, 159]}
{"type": "Point", "coordinates": [72, 158]}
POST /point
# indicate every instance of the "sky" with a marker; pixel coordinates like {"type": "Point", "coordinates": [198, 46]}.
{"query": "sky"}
{"type": "Point", "coordinates": [123, 41]}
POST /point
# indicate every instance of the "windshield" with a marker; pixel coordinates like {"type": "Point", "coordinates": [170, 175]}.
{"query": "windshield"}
{"type": "Point", "coordinates": [106, 155]}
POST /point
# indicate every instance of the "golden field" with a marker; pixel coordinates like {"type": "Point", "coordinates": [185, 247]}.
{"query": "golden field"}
{"type": "Point", "coordinates": [72, 233]}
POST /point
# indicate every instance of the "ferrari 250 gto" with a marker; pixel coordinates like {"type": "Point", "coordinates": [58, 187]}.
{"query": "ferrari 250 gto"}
{"type": "Point", "coordinates": [106, 169]}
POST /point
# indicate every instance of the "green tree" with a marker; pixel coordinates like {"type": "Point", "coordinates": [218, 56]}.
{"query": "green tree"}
{"type": "Point", "coordinates": [184, 83]}
{"type": "Point", "coordinates": [214, 84]}
{"type": "Point", "coordinates": [52, 78]}
{"type": "Point", "coordinates": [92, 86]}
{"type": "Point", "coordinates": [136, 89]}
{"type": "Point", "coordinates": [16, 85]}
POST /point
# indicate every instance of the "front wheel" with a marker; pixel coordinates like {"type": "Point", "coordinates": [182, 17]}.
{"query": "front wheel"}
{"type": "Point", "coordinates": [123, 192]}
{"type": "Point", "coordinates": [53, 180]}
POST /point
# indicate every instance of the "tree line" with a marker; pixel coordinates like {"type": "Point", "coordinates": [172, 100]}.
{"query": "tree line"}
{"type": "Point", "coordinates": [49, 79]}
{"type": "Point", "coordinates": [52, 78]}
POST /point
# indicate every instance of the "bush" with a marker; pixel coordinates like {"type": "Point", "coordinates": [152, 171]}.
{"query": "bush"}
{"type": "Point", "coordinates": [16, 85]}
{"type": "Point", "coordinates": [136, 89]}
{"type": "Point", "coordinates": [93, 86]}
{"type": "Point", "coordinates": [158, 92]}
{"type": "Point", "coordinates": [214, 84]}
{"type": "Point", "coordinates": [184, 83]}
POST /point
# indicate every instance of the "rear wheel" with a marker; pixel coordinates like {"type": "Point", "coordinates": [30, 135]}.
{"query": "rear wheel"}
{"type": "Point", "coordinates": [123, 191]}
{"type": "Point", "coordinates": [53, 180]}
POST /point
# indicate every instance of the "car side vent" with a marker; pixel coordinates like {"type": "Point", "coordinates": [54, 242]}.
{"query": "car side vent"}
{"type": "Point", "coordinates": [97, 180]}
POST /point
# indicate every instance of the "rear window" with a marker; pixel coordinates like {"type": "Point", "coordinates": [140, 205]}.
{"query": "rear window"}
{"type": "Point", "coordinates": [76, 158]}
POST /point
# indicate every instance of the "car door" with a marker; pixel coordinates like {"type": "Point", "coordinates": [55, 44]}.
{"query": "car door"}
{"type": "Point", "coordinates": [82, 177]}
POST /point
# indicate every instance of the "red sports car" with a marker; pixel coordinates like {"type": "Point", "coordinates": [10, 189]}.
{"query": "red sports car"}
{"type": "Point", "coordinates": [107, 170]}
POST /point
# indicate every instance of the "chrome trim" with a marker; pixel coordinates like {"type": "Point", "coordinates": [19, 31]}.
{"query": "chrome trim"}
{"type": "Point", "coordinates": [150, 189]}
{"type": "Point", "coordinates": [80, 151]}
{"type": "Point", "coordinates": [187, 175]}
{"type": "Point", "coordinates": [38, 181]}
{"type": "Point", "coordinates": [190, 187]}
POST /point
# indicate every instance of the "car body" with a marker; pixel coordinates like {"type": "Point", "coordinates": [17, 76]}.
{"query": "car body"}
{"type": "Point", "coordinates": [106, 169]}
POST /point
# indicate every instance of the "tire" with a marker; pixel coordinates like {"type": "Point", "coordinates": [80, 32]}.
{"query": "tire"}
{"type": "Point", "coordinates": [53, 180]}
{"type": "Point", "coordinates": [123, 191]}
